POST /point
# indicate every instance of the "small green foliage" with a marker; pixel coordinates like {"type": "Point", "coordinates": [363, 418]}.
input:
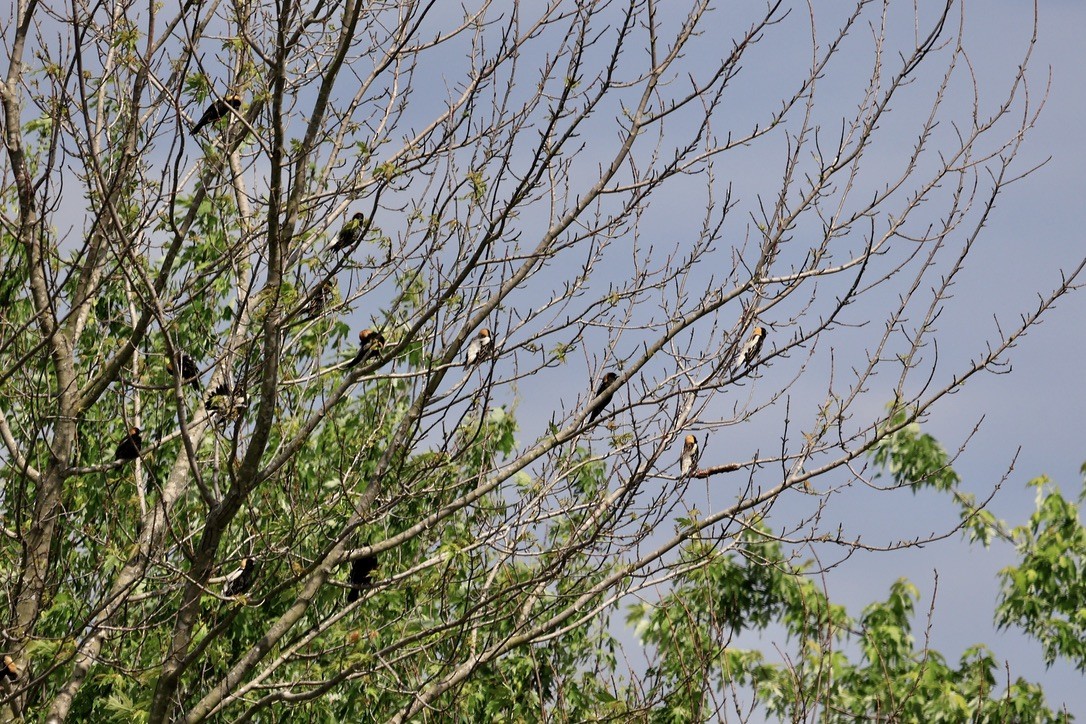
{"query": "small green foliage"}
{"type": "Point", "coordinates": [126, 35]}
{"type": "Point", "coordinates": [561, 350]}
{"type": "Point", "coordinates": [485, 441]}
{"type": "Point", "coordinates": [917, 460]}
{"type": "Point", "coordinates": [412, 288]}
{"type": "Point", "coordinates": [1045, 594]}
{"type": "Point", "coordinates": [914, 458]}
{"type": "Point", "coordinates": [478, 186]}
{"type": "Point", "coordinates": [980, 524]}
{"type": "Point", "coordinates": [387, 171]}
{"type": "Point", "coordinates": [198, 86]}
{"type": "Point", "coordinates": [42, 125]}
{"type": "Point", "coordinates": [433, 224]}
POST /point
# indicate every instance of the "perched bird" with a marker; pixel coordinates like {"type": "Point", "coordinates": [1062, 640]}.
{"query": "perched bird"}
{"type": "Point", "coordinates": [689, 459]}
{"type": "Point", "coordinates": [750, 349]}
{"type": "Point", "coordinates": [216, 111]}
{"type": "Point", "coordinates": [129, 448]}
{"type": "Point", "coordinates": [317, 302]}
{"type": "Point", "coordinates": [190, 373]}
{"type": "Point", "coordinates": [350, 233]}
{"type": "Point", "coordinates": [481, 347]}
{"type": "Point", "coordinates": [239, 581]}
{"type": "Point", "coordinates": [596, 407]}
{"type": "Point", "coordinates": [370, 342]}
{"type": "Point", "coordinates": [9, 670]}
{"type": "Point", "coordinates": [361, 578]}
{"type": "Point", "coordinates": [223, 405]}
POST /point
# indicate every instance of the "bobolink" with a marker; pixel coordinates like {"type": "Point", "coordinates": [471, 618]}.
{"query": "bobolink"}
{"type": "Point", "coordinates": [597, 407]}
{"type": "Point", "coordinates": [370, 342]}
{"type": "Point", "coordinates": [224, 405]}
{"type": "Point", "coordinates": [9, 670]}
{"type": "Point", "coordinates": [480, 348]}
{"type": "Point", "coordinates": [361, 576]}
{"type": "Point", "coordinates": [190, 372]}
{"type": "Point", "coordinates": [239, 581]}
{"type": "Point", "coordinates": [750, 350]}
{"type": "Point", "coordinates": [219, 109]}
{"type": "Point", "coordinates": [129, 448]}
{"type": "Point", "coordinates": [350, 233]}
{"type": "Point", "coordinates": [689, 459]}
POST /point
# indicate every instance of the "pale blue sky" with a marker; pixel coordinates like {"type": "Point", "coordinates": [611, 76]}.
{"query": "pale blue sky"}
{"type": "Point", "coordinates": [1041, 404]}
{"type": "Point", "coordinates": [1034, 233]}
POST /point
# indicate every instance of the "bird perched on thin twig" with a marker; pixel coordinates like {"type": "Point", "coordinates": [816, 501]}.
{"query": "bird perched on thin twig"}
{"type": "Point", "coordinates": [350, 233]}
{"type": "Point", "coordinates": [239, 581]}
{"type": "Point", "coordinates": [224, 405]}
{"type": "Point", "coordinates": [218, 110]}
{"type": "Point", "coordinates": [317, 302]}
{"type": "Point", "coordinates": [480, 348]}
{"type": "Point", "coordinates": [361, 576]}
{"type": "Point", "coordinates": [370, 342]}
{"type": "Point", "coordinates": [129, 448]}
{"type": "Point", "coordinates": [9, 670]}
{"type": "Point", "coordinates": [750, 350]}
{"type": "Point", "coordinates": [596, 407]}
{"type": "Point", "coordinates": [689, 459]}
{"type": "Point", "coordinates": [190, 373]}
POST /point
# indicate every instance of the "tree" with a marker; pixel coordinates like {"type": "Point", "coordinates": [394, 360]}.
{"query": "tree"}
{"type": "Point", "coordinates": [508, 161]}
{"type": "Point", "coordinates": [839, 667]}
{"type": "Point", "coordinates": [871, 667]}
{"type": "Point", "coordinates": [1044, 593]}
